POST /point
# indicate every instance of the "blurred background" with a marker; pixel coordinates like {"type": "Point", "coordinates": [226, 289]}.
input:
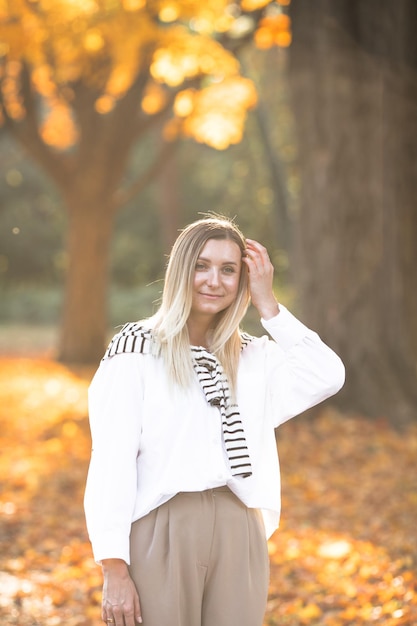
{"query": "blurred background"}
{"type": "Point", "coordinates": [123, 120]}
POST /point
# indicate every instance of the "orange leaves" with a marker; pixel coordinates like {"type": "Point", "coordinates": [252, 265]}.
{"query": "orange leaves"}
{"type": "Point", "coordinates": [40, 392]}
{"type": "Point", "coordinates": [10, 85]}
{"type": "Point", "coordinates": [133, 5]}
{"type": "Point", "coordinates": [274, 30]}
{"type": "Point", "coordinates": [43, 81]}
{"type": "Point", "coordinates": [58, 129]}
{"type": "Point", "coordinates": [69, 8]}
{"type": "Point", "coordinates": [204, 17]}
{"type": "Point", "coordinates": [185, 56]}
{"type": "Point", "coordinates": [346, 550]}
{"type": "Point", "coordinates": [345, 554]}
{"type": "Point", "coordinates": [93, 40]}
{"type": "Point", "coordinates": [169, 12]}
{"type": "Point", "coordinates": [47, 572]}
{"type": "Point", "coordinates": [334, 549]}
{"type": "Point", "coordinates": [185, 102]}
{"type": "Point", "coordinates": [253, 5]}
{"type": "Point", "coordinates": [358, 583]}
{"type": "Point", "coordinates": [46, 403]}
{"type": "Point", "coordinates": [216, 115]}
{"type": "Point", "coordinates": [129, 39]}
{"type": "Point", "coordinates": [80, 39]}
{"type": "Point", "coordinates": [108, 48]}
{"type": "Point", "coordinates": [154, 99]}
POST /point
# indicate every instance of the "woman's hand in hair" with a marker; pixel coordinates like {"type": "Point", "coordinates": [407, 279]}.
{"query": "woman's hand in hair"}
{"type": "Point", "coordinates": [261, 274]}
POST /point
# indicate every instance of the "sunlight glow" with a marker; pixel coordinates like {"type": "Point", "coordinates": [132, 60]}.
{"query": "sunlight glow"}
{"type": "Point", "coordinates": [120, 80]}
{"type": "Point", "coordinates": [334, 549]}
{"type": "Point", "coordinates": [58, 129]}
{"type": "Point", "coordinates": [169, 13]}
{"type": "Point", "coordinates": [173, 69]}
{"type": "Point", "coordinates": [154, 99]}
{"type": "Point", "coordinates": [216, 130]}
{"type": "Point", "coordinates": [253, 5]}
{"type": "Point", "coordinates": [12, 98]}
{"type": "Point", "coordinates": [184, 103]}
{"type": "Point", "coordinates": [83, 6]}
{"type": "Point", "coordinates": [104, 104]}
{"type": "Point", "coordinates": [274, 30]}
{"type": "Point", "coordinates": [133, 5]}
{"type": "Point", "coordinates": [93, 40]}
{"type": "Point", "coordinates": [216, 115]}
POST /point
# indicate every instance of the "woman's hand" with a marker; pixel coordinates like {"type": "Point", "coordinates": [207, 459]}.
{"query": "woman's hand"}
{"type": "Point", "coordinates": [120, 606]}
{"type": "Point", "coordinates": [261, 274]}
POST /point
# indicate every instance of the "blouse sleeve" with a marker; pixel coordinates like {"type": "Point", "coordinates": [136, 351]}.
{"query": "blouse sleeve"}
{"type": "Point", "coordinates": [115, 399]}
{"type": "Point", "coordinates": [302, 369]}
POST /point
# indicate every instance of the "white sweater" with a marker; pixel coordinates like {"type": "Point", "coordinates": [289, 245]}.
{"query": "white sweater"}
{"type": "Point", "coordinates": [151, 441]}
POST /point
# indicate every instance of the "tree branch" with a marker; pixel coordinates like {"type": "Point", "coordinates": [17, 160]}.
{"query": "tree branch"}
{"type": "Point", "coordinates": [102, 136]}
{"type": "Point", "coordinates": [27, 134]}
{"type": "Point", "coordinates": [123, 196]}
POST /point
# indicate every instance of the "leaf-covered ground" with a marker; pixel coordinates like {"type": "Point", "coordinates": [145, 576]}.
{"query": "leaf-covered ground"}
{"type": "Point", "coordinates": [346, 552]}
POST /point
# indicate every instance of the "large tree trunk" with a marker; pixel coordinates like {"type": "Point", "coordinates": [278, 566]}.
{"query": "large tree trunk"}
{"type": "Point", "coordinates": [84, 319]}
{"type": "Point", "coordinates": [354, 85]}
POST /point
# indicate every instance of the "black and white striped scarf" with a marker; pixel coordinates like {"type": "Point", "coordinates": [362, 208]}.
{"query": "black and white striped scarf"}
{"type": "Point", "coordinates": [136, 338]}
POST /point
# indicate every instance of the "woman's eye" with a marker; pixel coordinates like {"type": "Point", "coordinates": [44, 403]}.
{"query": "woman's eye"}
{"type": "Point", "coordinates": [200, 266]}
{"type": "Point", "coordinates": [229, 270]}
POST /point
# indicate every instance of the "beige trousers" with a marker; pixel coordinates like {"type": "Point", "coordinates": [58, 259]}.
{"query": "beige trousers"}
{"type": "Point", "coordinates": [201, 559]}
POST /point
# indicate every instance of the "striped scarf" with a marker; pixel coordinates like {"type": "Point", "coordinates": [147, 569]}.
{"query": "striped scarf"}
{"type": "Point", "coordinates": [136, 338]}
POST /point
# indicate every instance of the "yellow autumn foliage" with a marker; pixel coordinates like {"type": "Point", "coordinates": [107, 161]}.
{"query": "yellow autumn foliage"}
{"type": "Point", "coordinates": [184, 56]}
{"type": "Point", "coordinates": [218, 114]}
{"type": "Point", "coordinates": [109, 46]}
{"type": "Point", "coordinates": [274, 30]}
{"type": "Point", "coordinates": [253, 5]}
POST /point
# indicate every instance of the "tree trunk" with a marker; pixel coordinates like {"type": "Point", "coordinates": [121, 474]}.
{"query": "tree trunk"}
{"type": "Point", "coordinates": [169, 202]}
{"type": "Point", "coordinates": [84, 320]}
{"type": "Point", "coordinates": [354, 84]}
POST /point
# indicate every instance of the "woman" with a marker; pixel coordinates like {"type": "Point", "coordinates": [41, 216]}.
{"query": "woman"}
{"type": "Point", "coordinates": [183, 487]}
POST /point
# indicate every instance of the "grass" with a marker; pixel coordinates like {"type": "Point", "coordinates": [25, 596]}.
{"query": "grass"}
{"type": "Point", "coordinates": [28, 340]}
{"type": "Point", "coordinates": [29, 316]}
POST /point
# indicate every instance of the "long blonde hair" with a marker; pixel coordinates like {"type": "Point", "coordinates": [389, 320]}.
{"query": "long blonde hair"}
{"type": "Point", "coordinates": [170, 321]}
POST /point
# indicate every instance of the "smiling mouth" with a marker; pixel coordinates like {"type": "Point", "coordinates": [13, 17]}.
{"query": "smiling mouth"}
{"type": "Point", "coordinates": [210, 295]}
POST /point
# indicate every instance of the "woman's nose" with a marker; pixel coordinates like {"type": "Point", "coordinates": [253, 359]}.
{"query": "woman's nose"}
{"type": "Point", "coordinates": [213, 277]}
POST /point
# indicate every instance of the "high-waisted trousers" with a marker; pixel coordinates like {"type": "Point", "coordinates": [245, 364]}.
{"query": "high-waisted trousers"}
{"type": "Point", "coordinates": [201, 559]}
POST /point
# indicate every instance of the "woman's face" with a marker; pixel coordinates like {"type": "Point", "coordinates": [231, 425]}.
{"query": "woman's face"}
{"type": "Point", "coordinates": [216, 277]}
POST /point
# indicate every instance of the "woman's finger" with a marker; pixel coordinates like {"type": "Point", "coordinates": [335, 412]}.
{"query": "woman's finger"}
{"type": "Point", "coordinates": [257, 257]}
{"type": "Point", "coordinates": [257, 251]}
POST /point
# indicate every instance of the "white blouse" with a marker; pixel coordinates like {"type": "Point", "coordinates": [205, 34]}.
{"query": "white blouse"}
{"type": "Point", "coordinates": [152, 440]}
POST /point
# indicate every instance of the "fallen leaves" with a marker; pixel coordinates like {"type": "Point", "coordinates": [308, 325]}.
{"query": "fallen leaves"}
{"type": "Point", "coordinates": [346, 551]}
{"type": "Point", "coordinates": [48, 575]}
{"type": "Point", "coordinates": [345, 554]}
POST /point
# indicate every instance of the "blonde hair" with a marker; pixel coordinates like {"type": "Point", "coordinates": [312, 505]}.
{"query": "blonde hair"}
{"type": "Point", "coordinates": [170, 321]}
